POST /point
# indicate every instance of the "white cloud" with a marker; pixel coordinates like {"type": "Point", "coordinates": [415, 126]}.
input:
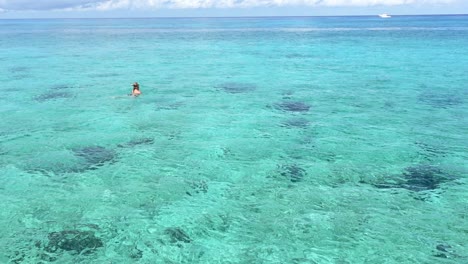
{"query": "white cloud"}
{"type": "Point", "coordinates": [152, 4]}
{"type": "Point", "coordinates": [137, 4]}
{"type": "Point", "coordinates": [378, 2]}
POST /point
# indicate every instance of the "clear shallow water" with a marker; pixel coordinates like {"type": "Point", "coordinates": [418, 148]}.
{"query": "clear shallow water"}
{"type": "Point", "coordinates": [256, 140]}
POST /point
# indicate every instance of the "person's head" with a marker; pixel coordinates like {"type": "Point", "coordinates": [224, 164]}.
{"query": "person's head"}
{"type": "Point", "coordinates": [136, 86]}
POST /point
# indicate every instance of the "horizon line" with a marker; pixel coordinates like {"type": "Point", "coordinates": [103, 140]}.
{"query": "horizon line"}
{"type": "Point", "coordinates": [182, 17]}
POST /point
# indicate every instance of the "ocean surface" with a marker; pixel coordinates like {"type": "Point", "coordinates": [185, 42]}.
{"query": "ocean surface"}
{"type": "Point", "coordinates": [256, 140]}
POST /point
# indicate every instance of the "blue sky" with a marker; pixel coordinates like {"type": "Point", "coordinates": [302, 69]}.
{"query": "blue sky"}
{"type": "Point", "coordinates": [203, 8]}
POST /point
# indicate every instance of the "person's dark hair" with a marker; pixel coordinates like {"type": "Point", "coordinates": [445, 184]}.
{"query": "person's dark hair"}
{"type": "Point", "coordinates": [136, 86]}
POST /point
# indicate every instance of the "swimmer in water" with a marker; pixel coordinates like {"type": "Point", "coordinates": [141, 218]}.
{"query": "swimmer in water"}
{"type": "Point", "coordinates": [136, 89]}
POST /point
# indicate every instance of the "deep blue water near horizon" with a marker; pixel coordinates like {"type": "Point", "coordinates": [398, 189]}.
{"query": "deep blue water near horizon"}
{"type": "Point", "coordinates": [256, 140]}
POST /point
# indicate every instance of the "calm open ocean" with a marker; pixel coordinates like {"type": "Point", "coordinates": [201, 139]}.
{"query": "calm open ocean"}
{"type": "Point", "coordinates": [256, 140]}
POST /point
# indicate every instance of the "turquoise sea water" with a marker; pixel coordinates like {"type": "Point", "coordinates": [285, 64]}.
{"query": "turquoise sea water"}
{"type": "Point", "coordinates": [256, 140]}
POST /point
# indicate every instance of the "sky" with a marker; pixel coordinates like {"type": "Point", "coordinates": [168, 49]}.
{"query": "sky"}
{"type": "Point", "coordinates": [216, 8]}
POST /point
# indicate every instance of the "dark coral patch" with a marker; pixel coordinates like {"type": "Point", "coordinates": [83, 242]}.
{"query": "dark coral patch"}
{"type": "Point", "coordinates": [20, 72]}
{"type": "Point", "coordinates": [53, 96]}
{"type": "Point", "coordinates": [140, 141]}
{"type": "Point", "coordinates": [419, 178]}
{"type": "Point", "coordinates": [437, 100]}
{"type": "Point", "coordinates": [296, 123]}
{"type": "Point", "coordinates": [287, 94]}
{"type": "Point", "coordinates": [176, 234]}
{"type": "Point", "coordinates": [234, 87]}
{"type": "Point", "coordinates": [293, 106]}
{"type": "Point", "coordinates": [60, 87]}
{"type": "Point", "coordinates": [137, 142]}
{"type": "Point", "coordinates": [95, 155]}
{"type": "Point", "coordinates": [424, 177]}
{"type": "Point", "coordinates": [19, 69]}
{"type": "Point", "coordinates": [198, 187]}
{"type": "Point", "coordinates": [446, 251]}
{"type": "Point", "coordinates": [105, 74]}
{"type": "Point", "coordinates": [292, 172]}
{"type": "Point", "coordinates": [74, 241]}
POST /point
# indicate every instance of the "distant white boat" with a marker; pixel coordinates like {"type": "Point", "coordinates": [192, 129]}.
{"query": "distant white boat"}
{"type": "Point", "coordinates": [385, 16]}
